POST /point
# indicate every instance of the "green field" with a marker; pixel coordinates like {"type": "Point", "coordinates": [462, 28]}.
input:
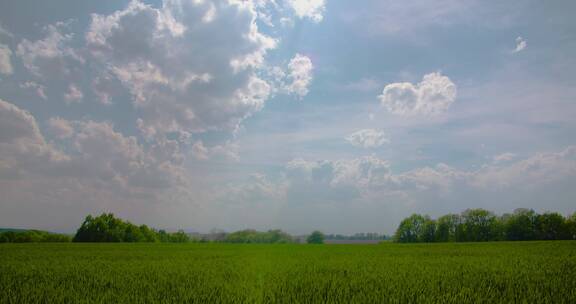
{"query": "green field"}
{"type": "Point", "coordinates": [521, 272]}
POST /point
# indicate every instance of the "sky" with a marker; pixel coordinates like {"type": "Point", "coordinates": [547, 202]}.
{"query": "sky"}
{"type": "Point", "coordinates": [342, 116]}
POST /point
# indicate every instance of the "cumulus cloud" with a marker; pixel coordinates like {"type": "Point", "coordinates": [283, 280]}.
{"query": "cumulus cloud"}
{"type": "Point", "coordinates": [311, 9]}
{"type": "Point", "coordinates": [49, 56]}
{"type": "Point", "coordinates": [433, 95]}
{"type": "Point", "coordinates": [61, 128]}
{"type": "Point", "coordinates": [370, 178]}
{"type": "Point", "coordinates": [521, 44]}
{"type": "Point", "coordinates": [338, 180]}
{"type": "Point", "coordinates": [22, 146]}
{"type": "Point", "coordinates": [300, 74]}
{"type": "Point", "coordinates": [5, 60]}
{"type": "Point", "coordinates": [97, 154]}
{"type": "Point", "coordinates": [294, 78]}
{"type": "Point", "coordinates": [368, 138]}
{"type": "Point", "coordinates": [74, 94]}
{"type": "Point", "coordinates": [176, 83]}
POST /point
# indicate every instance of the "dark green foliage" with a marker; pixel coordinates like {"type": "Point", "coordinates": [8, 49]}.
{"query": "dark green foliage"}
{"type": "Point", "coordinates": [448, 228]}
{"type": "Point", "coordinates": [416, 228]}
{"type": "Point", "coordinates": [479, 225]}
{"type": "Point", "coordinates": [253, 236]}
{"type": "Point", "coordinates": [552, 226]}
{"type": "Point", "coordinates": [316, 237]}
{"type": "Point", "coordinates": [521, 226]}
{"type": "Point", "coordinates": [32, 236]}
{"type": "Point", "coordinates": [107, 228]}
{"type": "Point", "coordinates": [571, 226]}
{"type": "Point", "coordinates": [503, 272]}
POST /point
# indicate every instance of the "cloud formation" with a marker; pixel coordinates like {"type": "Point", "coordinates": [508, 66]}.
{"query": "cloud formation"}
{"type": "Point", "coordinates": [432, 96]}
{"type": "Point", "coordinates": [5, 60]}
{"type": "Point", "coordinates": [295, 78]}
{"type": "Point", "coordinates": [176, 83]}
{"type": "Point", "coordinates": [311, 9]}
{"type": "Point", "coordinates": [370, 178]}
{"type": "Point", "coordinates": [74, 94]}
{"type": "Point", "coordinates": [521, 44]}
{"type": "Point", "coordinates": [96, 153]}
{"type": "Point", "coordinates": [51, 56]}
{"type": "Point", "coordinates": [368, 138]}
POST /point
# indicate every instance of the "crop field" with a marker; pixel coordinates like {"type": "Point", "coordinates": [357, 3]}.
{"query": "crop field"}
{"type": "Point", "coordinates": [520, 272]}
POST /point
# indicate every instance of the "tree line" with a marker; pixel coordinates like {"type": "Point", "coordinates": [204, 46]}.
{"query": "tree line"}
{"type": "Point", "coordinates": [108, 228]}
{"type": "Point", "coordinates": [479, 225]}
{"type": "Point", "coordinates": [32, 236]}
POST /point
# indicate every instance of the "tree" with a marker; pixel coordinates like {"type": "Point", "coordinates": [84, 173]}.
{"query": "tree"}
{"type": "Point", "coordinates": [428, 232]}
{"type": "Point", "coordinates": [32, 236]}
{"type": "Point", "coordinates": [107, 228]}
{"type": "Point", "coordinates": [480, 225]}
{"type": "Point", "coordinates": [521, 226]}
{"type": "Point", "coordinates": [410, 229]}
{"type": "Point", "coordinates": [316, 237]}
{"type": "Point", "coordinates": [551, 226]}
{"type": "Point", "coordinates": [447, 227]}
{"type": "Point", "coordinates": [571, 226]}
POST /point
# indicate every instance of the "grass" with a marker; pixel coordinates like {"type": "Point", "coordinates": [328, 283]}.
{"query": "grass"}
{"type": "Point", "coordinates": [520, 272]}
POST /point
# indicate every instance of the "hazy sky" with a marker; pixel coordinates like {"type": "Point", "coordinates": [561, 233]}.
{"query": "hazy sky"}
{"type": "Point", "coordinates": [343, 116]}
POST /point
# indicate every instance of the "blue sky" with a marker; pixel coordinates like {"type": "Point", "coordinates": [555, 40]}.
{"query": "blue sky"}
{"type": "Point", "coordinates": [294, 114]}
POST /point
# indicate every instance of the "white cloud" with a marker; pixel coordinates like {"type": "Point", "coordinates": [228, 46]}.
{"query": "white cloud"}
{"type": "Point", "coordinates": [74, 94]}
{"type": "Point", "coordinates": [49, 56]}
{"type": "Point", "coordinates": [521, 44]}
{"type": "Point", "coordinates": [5, 60]}
{"type": "Point", "coordinates": [199, 151]}
{"type": "Point", "coordinates": [61, 128]}
{"type": "Point", "coordinates": [504, 157]}
{"type": "Point", "coordinates": [368, 179]}
{"type": "Point", "coordinates": [433, 95]}
{"type": "Point", "coordinates": [177, 83]}
{"type": "Point", "coordinates": [311, 9]}
{"type": "Point", "coordinates": [300, 74]}
{"type": "Point", "coordinates": [354, 175]}
{"type": "Point", "coordinates": [105, 87]}
{"type": "Point", "coordinates": [295, 78]}
{"type": "Point", "coordinates": [98, 156]}
{"type": "Point", "coordinates": [22, 146]}
{"type": "Point", "coordinates": [368, 138]}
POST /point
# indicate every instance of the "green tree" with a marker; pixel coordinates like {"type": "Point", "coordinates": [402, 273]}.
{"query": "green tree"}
{"type": "Point", "coordinates": [521, 226]}
{"type": "Point", "coordinates": [446, 228]}
{"type": "Point", "coordinates": [411, 229]}
{"type": "Point", "coordinates": [552, 226]}
{"type": "Point", "coordinates": [316, 237]}
{"type": "Point", "coordinates": [571, 226]}
{"type": "Point", "coordinates": [107, 228]}
{"type": "Point", "coordinates": [428, 232]}
{"type": "Point", "coordinates": [480, 225]}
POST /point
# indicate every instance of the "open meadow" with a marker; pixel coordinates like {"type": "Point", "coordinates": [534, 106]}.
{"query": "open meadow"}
{"type": "Point", "coordinates": [499, 272]}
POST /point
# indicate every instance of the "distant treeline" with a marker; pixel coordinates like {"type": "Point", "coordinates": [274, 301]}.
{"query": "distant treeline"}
{"type": "Point", "coordinates": [32, 236]}
{"type": "Point", "coordinates": [252, 236]}
{"type": "Point", "coordinates": [107, 228]}
{"type": "Point", "coordinates": [358, 237]}
{"type": "Point", "coordinates": [479, 225]}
